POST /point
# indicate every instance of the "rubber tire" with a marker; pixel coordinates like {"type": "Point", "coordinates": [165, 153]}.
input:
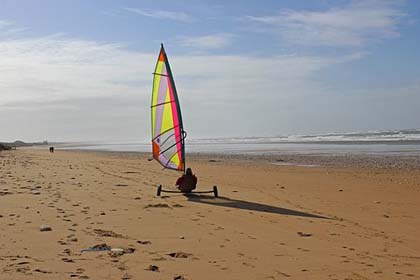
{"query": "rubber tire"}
{"type": "Point", "coordinates": [159, 190]}
{"type": "Point", "coordinates": [215, 191]}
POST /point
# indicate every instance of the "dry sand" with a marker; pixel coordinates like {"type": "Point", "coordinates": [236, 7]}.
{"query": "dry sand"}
{"type": "Point", "coordinates": [272, 222]}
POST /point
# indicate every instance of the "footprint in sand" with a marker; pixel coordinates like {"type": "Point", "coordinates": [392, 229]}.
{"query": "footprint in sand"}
{"type": "Point", "coordinates": [158, 205]}
{"type": "Point", "coordinates": [179, 255]}
{"type": "Point", "coordinates": [282, 273]}
{"type": "Point", "coordinates": [248, 264]}
{"type": "Point", "coordinates": [108, 233]}
{"type": "Point", "coordinates": [144, 242]}
{"type": "Point", "coordinates": [42, 271]}
{"type": "Point", "coordinates": [152, 268]}
{"type": "Point", "coordinates": [303, 234]}
{"type": "Point", "coordinates": [177, 205]}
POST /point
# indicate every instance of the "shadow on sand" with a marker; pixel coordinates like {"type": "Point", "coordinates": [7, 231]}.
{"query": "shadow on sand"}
{"type": "Point", "coordinates": [245, 205]}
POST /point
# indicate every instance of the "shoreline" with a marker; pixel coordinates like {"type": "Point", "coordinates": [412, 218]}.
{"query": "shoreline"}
{"type": "Point", "coordinates": [353, 160]}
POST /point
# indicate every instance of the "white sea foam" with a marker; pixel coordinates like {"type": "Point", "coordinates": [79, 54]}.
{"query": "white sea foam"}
{"type": "Point", "coordinates": [370, 136]}
{"type": "Point", "coordinates": [374, 142]}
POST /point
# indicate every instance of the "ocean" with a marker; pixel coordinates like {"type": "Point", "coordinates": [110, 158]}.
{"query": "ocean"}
{"type": "Point", "coordinates": [390, 142]}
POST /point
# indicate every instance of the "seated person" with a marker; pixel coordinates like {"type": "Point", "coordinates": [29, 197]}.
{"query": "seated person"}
{"type": "Point", "coordinates": [187, 182]}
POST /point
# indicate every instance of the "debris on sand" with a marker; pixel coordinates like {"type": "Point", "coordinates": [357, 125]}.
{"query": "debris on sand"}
{"type": "Point", "coordinates": [179, 255]}
{"type": "Point", "coordinates": [113, 252]}
{"type": "Point", "coordinates": [99, 247]}
{"type": "Point", "coordinates": [45, 228]}
{"type": "Point", "coordinates": [116, 252]}
{"type": "Point", "coordinates": [180, 277]}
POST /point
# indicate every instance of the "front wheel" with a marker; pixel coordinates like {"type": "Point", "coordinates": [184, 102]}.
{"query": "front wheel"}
{"type": "Point", "coordinates": [215, 191]}
{"type": "Point", "coordinates": [159, 190]}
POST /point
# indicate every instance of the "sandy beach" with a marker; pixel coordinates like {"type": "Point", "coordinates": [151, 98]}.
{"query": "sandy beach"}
{"type": "Point", "coordinates": [270, 221]}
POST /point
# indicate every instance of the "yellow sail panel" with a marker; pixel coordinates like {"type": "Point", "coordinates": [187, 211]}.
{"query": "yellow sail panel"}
{"type": "Point", "coordinates": [167, 120]}
{"type": "Point", "coordinates": [156, 83]}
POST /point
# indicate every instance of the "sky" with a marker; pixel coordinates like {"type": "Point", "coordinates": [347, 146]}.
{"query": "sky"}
{"type": "Point", "coordinates": [82, 70]}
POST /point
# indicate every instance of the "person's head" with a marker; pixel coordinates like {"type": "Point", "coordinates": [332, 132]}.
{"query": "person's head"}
{"type": "Point", "coordinates": [188, 171]}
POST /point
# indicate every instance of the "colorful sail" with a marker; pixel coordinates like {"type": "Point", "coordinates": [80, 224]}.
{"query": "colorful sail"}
{"type": "Point", "coordinates": [167, 130]}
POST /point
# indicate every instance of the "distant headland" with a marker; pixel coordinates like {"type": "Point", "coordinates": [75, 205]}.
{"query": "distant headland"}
{"type": "Point", "coordinates": [18, 143]}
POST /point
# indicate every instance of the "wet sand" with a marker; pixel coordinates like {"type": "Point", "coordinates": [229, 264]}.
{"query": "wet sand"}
{"type": "Point", "coordinates": [271, 221]}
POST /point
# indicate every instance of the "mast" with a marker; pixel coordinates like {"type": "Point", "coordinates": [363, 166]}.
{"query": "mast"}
{"type": "Point", "coordinates": [183, 133]}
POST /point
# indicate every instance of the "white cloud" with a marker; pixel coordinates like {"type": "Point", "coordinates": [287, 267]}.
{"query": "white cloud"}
{"type": "Point", "coordinates": [177, 16]}
{"type": "Point", "coordinates": [5, 24]}
{"type": "Point", "coordinates": [214, 41]}
{"type": "Point", "coordinates": [353, 25]}
{"type": "Point", "coordinates": [8, 29]}
{"type": "Point", "coordinates": [54, 67]}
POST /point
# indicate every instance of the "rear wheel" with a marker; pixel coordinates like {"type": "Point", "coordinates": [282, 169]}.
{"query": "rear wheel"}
{"type": "Point", "coordinates": [159, 190]}
{"type": "Point", "coordinates": [215, 191]}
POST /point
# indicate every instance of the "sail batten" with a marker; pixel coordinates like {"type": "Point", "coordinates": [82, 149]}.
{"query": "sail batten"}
{"type": "Point", "coordinates": [162, 103]}
{"type": "Point", "coordinates": [160, 74]}
{"type": "Point", "coordinates": [167, 129]}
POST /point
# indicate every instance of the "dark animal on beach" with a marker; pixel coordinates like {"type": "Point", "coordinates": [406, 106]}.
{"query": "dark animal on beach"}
{"type": "Point", "coordinates": [51, 149]}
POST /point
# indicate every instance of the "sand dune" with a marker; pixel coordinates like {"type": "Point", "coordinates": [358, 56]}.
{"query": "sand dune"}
{"type": "Point", "coordinates": [270, 222]}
